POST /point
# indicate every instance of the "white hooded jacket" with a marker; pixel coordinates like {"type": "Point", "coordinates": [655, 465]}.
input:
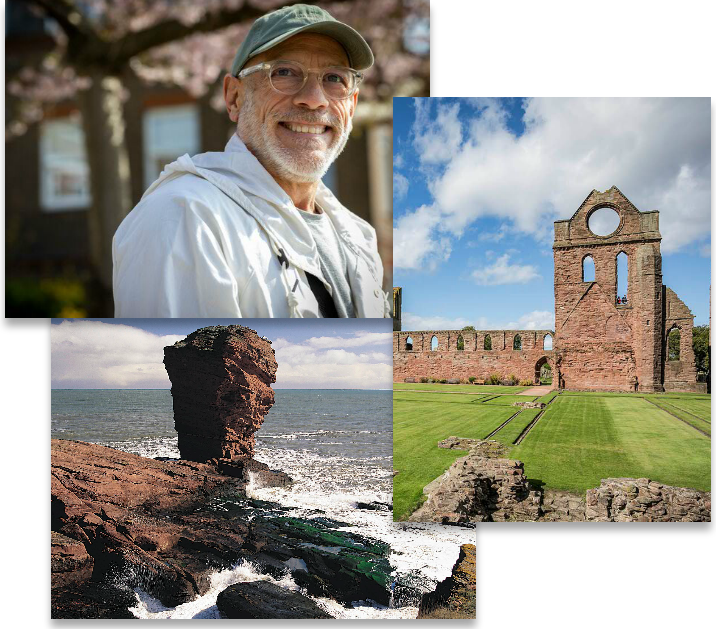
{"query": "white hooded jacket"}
{"type": "Point", "coordinates": [216, 236]}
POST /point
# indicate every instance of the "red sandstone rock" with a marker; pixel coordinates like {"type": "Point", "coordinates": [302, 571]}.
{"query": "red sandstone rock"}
{"type": "Point", "coordinates": [221, 379]}
{"type": "Point", "coordinates": [455, 596]}
{"type": "Point", "coordinates": [118, 513]}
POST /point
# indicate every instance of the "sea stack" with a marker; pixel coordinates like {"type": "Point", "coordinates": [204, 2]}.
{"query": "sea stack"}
{"type": "Point", "coordinates": [221, 377]}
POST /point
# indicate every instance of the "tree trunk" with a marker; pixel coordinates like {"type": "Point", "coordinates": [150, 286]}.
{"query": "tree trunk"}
{"type": "Point", "coordinates": [103, 121]}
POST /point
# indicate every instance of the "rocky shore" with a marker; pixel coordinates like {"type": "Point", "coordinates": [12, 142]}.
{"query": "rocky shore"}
{"type": "Point", "coordinates": [122, 522]}
{"type": "Point", "coordinates": [126, 528]}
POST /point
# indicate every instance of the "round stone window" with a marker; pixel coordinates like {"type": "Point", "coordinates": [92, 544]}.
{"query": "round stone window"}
{"type": "Point", "coordinates": [603, 221]}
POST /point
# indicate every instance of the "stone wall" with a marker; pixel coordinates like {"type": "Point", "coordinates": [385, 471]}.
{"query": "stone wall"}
{"type": "Point", "coordinates": [644, 500]}
{"type": "Point", "coordinates": [600, 342]}
{"type": "Point", "coordinates": [448, 362]}
{"type": "Point", "coordinates": [481, 488]}
{"type": "Point", "coordinates": [604, 344]}
{"type": "Point", "coordinates": [679, 375]}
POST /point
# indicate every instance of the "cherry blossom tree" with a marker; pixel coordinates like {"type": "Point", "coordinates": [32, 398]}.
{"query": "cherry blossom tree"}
{"type": "Point", "coordinates": [99, 45]}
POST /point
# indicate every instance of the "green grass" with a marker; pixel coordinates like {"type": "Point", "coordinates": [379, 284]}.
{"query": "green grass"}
{"type": "Point", "coordinates": [444, 398]}
{"type": "Point", "coordinates": [466, 388]}
{"type": "Point", "coordinates": [511, 431]}
{"type": "Point", "coordinates": [417, 428]}
{"type": "Point", "coordinates": [702, 424]}
{"type": "Point", "coordinates": [581, 438]}
{"type": "Point", "coordinates": [508, 400]}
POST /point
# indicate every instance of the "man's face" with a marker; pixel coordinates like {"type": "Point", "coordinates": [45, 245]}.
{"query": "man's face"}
{"type": "Point", "coordinates": [274, 126]}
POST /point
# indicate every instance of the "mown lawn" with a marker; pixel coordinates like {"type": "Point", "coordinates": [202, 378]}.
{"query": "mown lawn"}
{"type": "Point", "coordinates": [578, 441]}
{"type": "Point", "coordinates": [507, 434]}
{"type": "Point", "coordinates": [448, 388]}
{"type": "Point", "coordinates": [418, 426]}
{"type": "Point", "coordinates": [582, 439]}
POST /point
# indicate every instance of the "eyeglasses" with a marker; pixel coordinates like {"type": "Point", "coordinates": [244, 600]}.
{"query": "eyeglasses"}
{"type": "Point", "coordinates": [289, 77]}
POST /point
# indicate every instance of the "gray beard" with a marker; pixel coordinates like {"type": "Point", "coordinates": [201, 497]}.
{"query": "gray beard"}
{"type": "Point", "coordinates": [276, 158]}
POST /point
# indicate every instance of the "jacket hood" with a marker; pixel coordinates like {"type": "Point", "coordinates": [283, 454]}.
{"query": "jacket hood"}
{"type": "Point", "coordinates": [238, 174]}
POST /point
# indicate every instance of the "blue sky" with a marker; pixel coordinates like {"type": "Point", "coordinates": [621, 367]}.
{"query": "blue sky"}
{"type": "Point", "coordinates": [478, 183]}
{"type": "Point", "coordinates": [311, 353]}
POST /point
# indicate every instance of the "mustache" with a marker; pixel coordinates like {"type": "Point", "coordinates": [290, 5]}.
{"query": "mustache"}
{"type": "Point", "coordinates": [309, 117]}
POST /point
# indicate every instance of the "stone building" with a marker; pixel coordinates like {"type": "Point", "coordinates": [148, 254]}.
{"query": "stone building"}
{"type": "Point", "coordinates": [611, 332]}
{"type": "Point", "coordinates": [459, 354]}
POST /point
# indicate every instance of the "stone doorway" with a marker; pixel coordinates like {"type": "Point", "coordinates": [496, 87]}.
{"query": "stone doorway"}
{"type": "Point", "coordinates": [543, 371]}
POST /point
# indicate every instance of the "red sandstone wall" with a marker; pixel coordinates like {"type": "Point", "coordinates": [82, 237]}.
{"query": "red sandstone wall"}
{"type": "Point", "coordinates": [679, 375]}
{"type": "Point", "coordinates": [449, 362]}
{"type": "Point", "coordinates": [599, 344]}
{"type": "Point", "coordinates": [605, 345]}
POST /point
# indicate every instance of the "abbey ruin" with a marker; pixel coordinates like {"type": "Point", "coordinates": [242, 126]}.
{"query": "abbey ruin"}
{"type": "Point", "coordinates": [603, 339]}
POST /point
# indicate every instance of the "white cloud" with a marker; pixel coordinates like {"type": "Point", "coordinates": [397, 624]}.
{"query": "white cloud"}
{"type": "Point", "coordinates": [535, 320]}
{"type": "Point", "coordinates": [361, 338]}
{"type": "Point", "coordinates": [656, 151]}
{"type": "Point", "coordinates": [416, 244]}
{"type": "Point", "coordinates": [94, 354]}
{"type": "Point", "coordinates": [436, 141]}
{"type": "Point", "coordinates": [412, 321]}
{"type": "Point", "coordinates": [502, 272]}
{"type": "Point", "coordinates": [323, 362]}
{"type": "Point", "coordinates": [400, 185]}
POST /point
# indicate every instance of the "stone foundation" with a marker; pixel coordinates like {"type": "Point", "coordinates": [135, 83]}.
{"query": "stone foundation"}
{"type": "Point", "coordinates": [480, 488]}
{"type": "Point", "coordinates": [644, 500]}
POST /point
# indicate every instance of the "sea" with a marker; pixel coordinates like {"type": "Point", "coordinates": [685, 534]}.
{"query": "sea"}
{"type": "Point", "coordinates": [336, 445]}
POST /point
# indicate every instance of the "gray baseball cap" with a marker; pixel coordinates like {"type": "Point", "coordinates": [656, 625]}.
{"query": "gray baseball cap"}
{"type": "Point", "coordinates": [277, 26]}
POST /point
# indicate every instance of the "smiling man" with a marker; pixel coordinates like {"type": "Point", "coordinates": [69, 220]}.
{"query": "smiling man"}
{"type": "Point", "coordinates": [252, 231]}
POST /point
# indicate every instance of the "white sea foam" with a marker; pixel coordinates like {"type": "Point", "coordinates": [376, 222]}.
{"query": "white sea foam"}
{"type": "Point", "coordinates": [333, 485]}
{"type": "Point", "coordinates": [204, 607]}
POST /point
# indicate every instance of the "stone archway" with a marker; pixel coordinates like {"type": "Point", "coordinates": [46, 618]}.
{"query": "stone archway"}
{"type": "Point", "coordinates": [538, 369]}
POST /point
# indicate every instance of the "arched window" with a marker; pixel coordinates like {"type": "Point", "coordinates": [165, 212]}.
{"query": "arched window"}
{"type": "Point", "coordinates": [460, 343]}
{"type": "Point", "coordinates": [673, 344]}
{"type": "Point", "coordinates": [409, 344]}
{"type": "Point", "coordinates": [517, 342]}
{"type": "Point", "coordinates": [488, 343]}
{"type": "Point", "coordinates": [547, 341]}
{"type": "Point", "coordinates": [622, 278]}
{"type": "Point", "coordinates": [588, 272]}
{"type": "Point", "coordinates": [433, 343]}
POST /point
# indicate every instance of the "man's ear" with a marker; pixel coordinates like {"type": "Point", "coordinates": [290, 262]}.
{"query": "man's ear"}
{"type": "Point", "coordinates": [354, 103]}
{"type": "Point", "coordinates": [233, 92]}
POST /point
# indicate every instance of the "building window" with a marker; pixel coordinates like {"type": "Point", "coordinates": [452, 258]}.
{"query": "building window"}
{"type": "Point", "coordinates": [460, 343]}
{"type": "Point", "coordinates": [622, 278]}
{"type": "Point", "coordinates": [409, 344]}
{"type": "Point", "coordinates": [603, 221]}
{"type": "Point", "coordinates": [64, 171]}
{"type": "Point", "coordinates": [588, 272]}
{"type": "Point", "coordinates": [433, 343]}
{"type": "Point", "coordinates": [547, 342]}
{"type": "Point", "coordinates": [487, 345]}
{"type": "Point", "coordinates": [169, 133]}
{"type": "Point", "coordinates": [673, 344]}
{"type": "Point", "coordinates": [517, 342]}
